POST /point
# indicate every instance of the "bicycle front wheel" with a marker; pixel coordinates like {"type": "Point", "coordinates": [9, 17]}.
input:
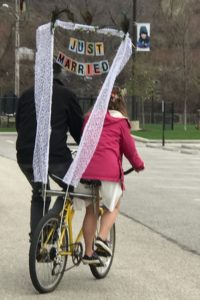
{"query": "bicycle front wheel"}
{"type": "Point", "coordinates": [46, 264]}
{"type": "Point", "coordinates": [102, 270]}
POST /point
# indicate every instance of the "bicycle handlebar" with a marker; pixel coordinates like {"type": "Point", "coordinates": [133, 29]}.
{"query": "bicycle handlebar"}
{"type": "Point", "coordinates": [129, 171]}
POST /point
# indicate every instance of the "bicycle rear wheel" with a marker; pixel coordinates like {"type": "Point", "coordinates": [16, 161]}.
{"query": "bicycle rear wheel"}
{"type": "Point", "coordinates": [46, 265]}
{"type": "Point", "coordinates": [101, 271]}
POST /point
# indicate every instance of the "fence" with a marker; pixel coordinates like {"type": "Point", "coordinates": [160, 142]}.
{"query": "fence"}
{"type": "Point", "coordinates": [8, 106]}
{"type": "Point", "coordinates": [151, 112]}
{"type": "Point", "coordinates": [147, 112]}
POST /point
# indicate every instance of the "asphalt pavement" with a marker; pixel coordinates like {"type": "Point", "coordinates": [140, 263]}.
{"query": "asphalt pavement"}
{"type": "Point", "coordinates": [158, 246]}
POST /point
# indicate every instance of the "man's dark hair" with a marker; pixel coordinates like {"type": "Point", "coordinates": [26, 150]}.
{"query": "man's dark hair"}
{"type": "Point", "coordinates": [58, 73]}
{"type": "Point", "coordinates": [56, 68]}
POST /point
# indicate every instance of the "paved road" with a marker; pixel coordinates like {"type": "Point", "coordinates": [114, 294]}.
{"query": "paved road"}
{"type": "Point", "coordinates": [158, 244]}
{"type": "Point", "coordinates": [7, 146]}
{"type": "Point", "coordinates": [166, 197]}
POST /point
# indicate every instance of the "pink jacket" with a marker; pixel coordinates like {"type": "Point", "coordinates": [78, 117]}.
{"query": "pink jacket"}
{"type": "Point", "coordinates": [115, 140]}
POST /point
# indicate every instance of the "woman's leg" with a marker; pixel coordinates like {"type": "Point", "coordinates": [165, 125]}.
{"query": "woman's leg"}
{"type": "Point", "coordinates": [107, 221]}
{"type": "Point", "coordinates": [89, 229]}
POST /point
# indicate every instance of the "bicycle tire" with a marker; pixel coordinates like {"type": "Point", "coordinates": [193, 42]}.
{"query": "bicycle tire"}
{"type": "Point", "coordinates": [50, 260]}
{"type": "Point", "coordinates": [100, 272]}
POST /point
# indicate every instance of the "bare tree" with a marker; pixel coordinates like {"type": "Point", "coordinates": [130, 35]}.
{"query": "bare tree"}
{"type": "Point", "coordinates": [178, 15]}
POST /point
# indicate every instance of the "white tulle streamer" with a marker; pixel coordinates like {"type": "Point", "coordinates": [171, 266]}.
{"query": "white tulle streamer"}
{"type": "Point", "coordinates": [43, 97]}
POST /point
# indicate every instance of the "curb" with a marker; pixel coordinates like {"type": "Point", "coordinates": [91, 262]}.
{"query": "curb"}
{"type": "Point", "coordinates": [8, 133]}
{"type": "Point", "coordinates": [170, 141]}
{"type": "Point", "coordinates": [140, 139]}
{"type": "Point", "coordinates": [195, 147]}
{"type": "Point", "coordinates": [189, 151]}
{"type": "Point", "coordinates": [174, 149]}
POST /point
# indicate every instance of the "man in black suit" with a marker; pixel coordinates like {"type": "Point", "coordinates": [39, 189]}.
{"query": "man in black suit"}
{"type": "Point", "coordinates": [66, 117]}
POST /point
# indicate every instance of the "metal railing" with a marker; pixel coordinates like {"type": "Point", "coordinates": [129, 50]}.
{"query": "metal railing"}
{"type": "Point", "coordinates": [8, 106]}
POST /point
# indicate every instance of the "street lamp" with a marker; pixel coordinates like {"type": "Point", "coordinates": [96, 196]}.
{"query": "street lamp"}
{"type": "Point", "coordinates": [17, 44]}
{"type": "Point", "coordinates": [134, 30]}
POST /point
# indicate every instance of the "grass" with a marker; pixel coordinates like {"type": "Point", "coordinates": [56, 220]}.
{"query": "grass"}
{"type": "Point", "coordinates": [154, 131]}
{"type": "Point", "coordinates": [7, 129]}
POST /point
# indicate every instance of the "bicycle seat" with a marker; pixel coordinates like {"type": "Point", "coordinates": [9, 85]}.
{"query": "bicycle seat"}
{"type": "Point", "coordinates": [93, 182]}
{"type": "Point", "coordinates": [89, 182]}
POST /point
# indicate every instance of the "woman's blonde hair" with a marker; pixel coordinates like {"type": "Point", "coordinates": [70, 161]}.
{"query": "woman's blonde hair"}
{"type": "Point", "coordinates": [117, 100]}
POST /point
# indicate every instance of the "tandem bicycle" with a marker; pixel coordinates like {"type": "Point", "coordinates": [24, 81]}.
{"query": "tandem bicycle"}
{"type": "Point", "coordinates": [53, 243]}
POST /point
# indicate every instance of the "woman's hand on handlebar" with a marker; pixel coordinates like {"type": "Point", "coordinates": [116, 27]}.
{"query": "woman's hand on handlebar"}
{"type": "Point", "coordinates": [141, 168]}
{"type": "Point", "coordinates": [129, 171]}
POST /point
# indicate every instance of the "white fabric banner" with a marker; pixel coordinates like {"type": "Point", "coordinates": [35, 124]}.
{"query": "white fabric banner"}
{"type": "Point", "coordinates": [43, 98]}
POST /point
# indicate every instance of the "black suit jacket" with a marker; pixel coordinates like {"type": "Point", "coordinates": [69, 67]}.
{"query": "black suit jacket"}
{"type": "Point", "coordinates": [66, 117]}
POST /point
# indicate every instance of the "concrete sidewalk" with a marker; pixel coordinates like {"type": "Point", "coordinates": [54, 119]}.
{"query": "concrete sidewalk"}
{"type": "Point", "coordinates": [182, 146]}
{"type": "Point", "coordinates": [146, 266]}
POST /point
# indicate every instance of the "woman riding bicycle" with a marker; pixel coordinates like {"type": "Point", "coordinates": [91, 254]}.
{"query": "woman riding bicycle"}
{"type": "Point", "coordinates": [106, 166]}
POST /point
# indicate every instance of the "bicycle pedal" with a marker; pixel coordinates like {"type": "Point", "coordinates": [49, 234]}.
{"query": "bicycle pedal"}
{"type": "Point", "coordinates": [100, 264]}
{"type": "Point", "coordinates": [102, 253]}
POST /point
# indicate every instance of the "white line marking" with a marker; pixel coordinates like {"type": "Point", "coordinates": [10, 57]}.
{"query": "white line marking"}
{"type": "Point", "coordinates": [10, 142]}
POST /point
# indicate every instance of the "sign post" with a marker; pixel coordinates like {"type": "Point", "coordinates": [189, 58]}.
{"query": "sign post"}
{"type": "Point", "coordinates": [163, 123]}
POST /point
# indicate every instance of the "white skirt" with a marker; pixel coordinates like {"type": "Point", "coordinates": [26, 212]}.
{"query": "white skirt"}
{"type": "Point", "coordinates": [110, 194]}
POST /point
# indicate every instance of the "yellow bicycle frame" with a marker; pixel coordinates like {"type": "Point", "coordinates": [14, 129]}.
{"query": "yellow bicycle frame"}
{"type": "Point", "coordinates": [68, 225]}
